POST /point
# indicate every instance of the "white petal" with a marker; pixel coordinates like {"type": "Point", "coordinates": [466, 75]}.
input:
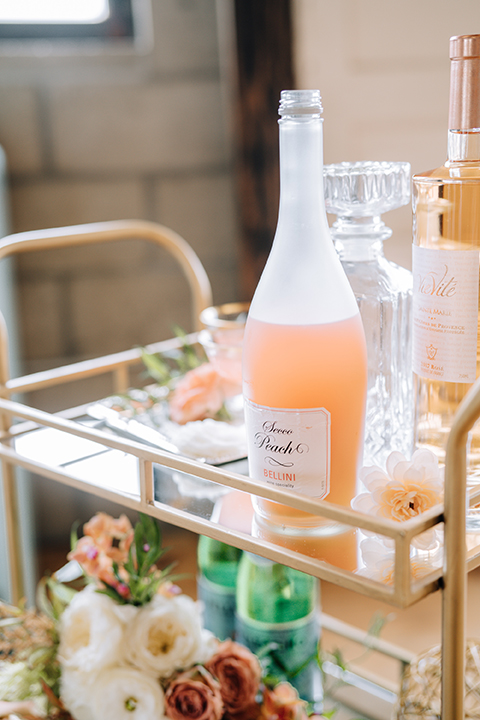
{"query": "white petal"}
{"type": "Point", "coordinates": [124, 693]}
{"type": "Point", "coordinates": [372, 477]}
{"type": "Point", "coordinates": [363, 503]}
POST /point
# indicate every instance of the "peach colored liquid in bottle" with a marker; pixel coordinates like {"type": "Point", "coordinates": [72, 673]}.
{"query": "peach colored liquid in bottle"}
{"type": "Point", "coordinates": [310, 366]}
{"type": "Point", "coordinates": [304, 353]}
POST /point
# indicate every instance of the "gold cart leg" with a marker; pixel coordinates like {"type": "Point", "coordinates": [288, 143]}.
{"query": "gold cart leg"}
{"type": "Point", "coordinates": [455, 557]}
{"type": "Point", "coordinates": [12, 532]}
{"type": "Point", "coordinates": [8, 480]}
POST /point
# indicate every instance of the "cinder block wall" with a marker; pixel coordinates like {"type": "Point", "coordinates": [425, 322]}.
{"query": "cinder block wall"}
{"type": "Point", "coordinates": [383, 70]}
{"type": "Point", "coordinates": [101, 138]}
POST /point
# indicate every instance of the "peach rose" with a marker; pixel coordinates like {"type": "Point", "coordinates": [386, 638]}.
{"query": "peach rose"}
{"type": "Point", "coordinates": [96, 552]}
{"type": "Point", "coordinates": [104, 530]}
{"type": "Point", "coordinates": [194, 695]}
{"type": "Point", "coordinates": [282, 703]}
{"type": "Point", "coordinates": [199, 394]}
{"type": "Point", "coordinates": [239, 673]}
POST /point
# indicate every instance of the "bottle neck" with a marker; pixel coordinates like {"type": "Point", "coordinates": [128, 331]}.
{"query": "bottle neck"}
{"type": "Point", "coordinates": [463, 146]}
{"type": "Point", "coordinates": [359, 239]}
{"type": "Point", "coordinates": [301, 170]}
{"type": "Point", "coordinates": [464, 105]}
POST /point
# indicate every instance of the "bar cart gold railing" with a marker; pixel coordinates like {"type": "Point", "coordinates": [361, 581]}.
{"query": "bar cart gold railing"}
{"type": "Point", "coordinates": [140, 495]}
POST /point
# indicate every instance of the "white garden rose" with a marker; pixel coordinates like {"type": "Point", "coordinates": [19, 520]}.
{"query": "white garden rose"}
{"type": "Point", "coordinates": [75, 693]}
{"type": "Point", "coordinates": [406, 489]}
{"type": "Point", "coordinates": [125, 693]}
{"type": "Point", "coordinates": [92, 632]}
{"type": "Point", "coordinates": [167, 635]}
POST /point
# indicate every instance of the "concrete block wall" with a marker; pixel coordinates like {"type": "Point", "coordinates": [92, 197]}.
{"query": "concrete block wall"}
{"type": "Point", "coordinates": [383, 70]}
{"type": "Point", "coordinates": [91, 139]}
{"type": "Point", "coordinates": [101, 138]}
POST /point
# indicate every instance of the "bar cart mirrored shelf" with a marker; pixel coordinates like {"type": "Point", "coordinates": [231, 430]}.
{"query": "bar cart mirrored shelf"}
{"type": "Point", "coordinates": [71, 449]}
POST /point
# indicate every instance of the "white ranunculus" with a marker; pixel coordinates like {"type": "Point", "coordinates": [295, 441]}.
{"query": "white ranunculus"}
{"type": "Point", "coordinates": [167, 635]}
{"type": "Point", "coordinates": [92, 632]}
{"type": "Point", "coordinates": [125, 693]}
{"type": "Point", "coordinates": [75, 693]}
{"type": "Point", "coordinates": [406, 489]}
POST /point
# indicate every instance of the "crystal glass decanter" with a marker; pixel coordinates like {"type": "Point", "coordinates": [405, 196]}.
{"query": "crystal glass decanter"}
{"type": "Point", "coordinates": [358, 193]}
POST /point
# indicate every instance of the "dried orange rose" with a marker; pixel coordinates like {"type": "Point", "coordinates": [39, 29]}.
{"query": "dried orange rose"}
{"type": "Point", "coordinates": [283, 703]}
{"type": "Point", "coordinates": [194, 695]}
{"type": "Point", "coordinates": [238, 671]}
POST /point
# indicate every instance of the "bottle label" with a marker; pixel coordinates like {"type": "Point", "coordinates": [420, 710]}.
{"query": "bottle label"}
{"type": "Point", "coordinates": [292, 645]}
{"type": "Point", "coordinates": [289, 448]}
{"type": "Point", "coordinates": [218, 607]}
{"type": "Point", "coordinates": [445, 314]}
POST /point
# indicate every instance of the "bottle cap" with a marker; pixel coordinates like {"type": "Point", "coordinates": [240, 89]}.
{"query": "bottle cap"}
{"type": "Point", "coordinates": [464, 110]}
{"type": "Point", "coordinates": [300, 102]}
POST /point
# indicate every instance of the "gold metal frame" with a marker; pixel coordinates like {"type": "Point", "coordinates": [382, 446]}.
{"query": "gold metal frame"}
{"type": "Point", "coordinates": [404, 592]}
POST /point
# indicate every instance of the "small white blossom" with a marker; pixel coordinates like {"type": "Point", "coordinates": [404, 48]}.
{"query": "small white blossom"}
{"type": "Point", "coordinates": [75, 693]}
{"type": "Point", "coordinates": [167, 635]}
{"type": "Point", "coordinates": [92, 632]}
{"type": "Point", "coordinates": [406, 489]}
{"type": "Point", "coordinates": [19, 682]}
{"type": "Point", "coordinates": [125, 693]}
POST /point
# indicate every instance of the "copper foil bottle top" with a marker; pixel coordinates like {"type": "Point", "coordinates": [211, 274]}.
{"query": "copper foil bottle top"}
{"type": "Point", "coordinates": [464, 112]}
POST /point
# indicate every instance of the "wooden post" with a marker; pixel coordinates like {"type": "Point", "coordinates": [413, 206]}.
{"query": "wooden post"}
{"type": "Point", "coordinates": [264, 68]}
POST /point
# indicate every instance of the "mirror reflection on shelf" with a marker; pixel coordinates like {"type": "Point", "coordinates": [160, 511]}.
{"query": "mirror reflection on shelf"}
{"type": "Point", "coordinates": [355, 551]}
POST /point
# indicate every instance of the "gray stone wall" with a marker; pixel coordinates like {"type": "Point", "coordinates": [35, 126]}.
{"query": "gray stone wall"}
{"type": "Point", "coordinates": [101, 138]}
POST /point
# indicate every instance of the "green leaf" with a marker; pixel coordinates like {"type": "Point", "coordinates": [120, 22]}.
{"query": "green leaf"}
{"type": "Point", "coordinates": [74, 535]}
{"type": "Point", "coordinates": [156, 367]}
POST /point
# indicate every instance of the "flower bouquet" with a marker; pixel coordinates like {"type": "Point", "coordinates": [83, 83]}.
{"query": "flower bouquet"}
{"type": "Point", "coordinates": [126, 643]}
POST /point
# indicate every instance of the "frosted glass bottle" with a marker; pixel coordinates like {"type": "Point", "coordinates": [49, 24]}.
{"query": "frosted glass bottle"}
{"type": "Point", "coordinates": [304, 353]}
{"type": "Point", "coordinates": [216, 585]}
{"type": "Point", "coordinates": [358, 193]}
{"type": "Point", "coordinates": [276, 604]}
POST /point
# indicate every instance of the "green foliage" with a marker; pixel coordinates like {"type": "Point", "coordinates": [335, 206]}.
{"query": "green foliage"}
{"type": "Point", "coordinates": [165, 368]}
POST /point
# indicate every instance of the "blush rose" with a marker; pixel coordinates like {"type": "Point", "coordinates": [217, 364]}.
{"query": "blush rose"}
{"type": "Point", "coordinates": [194, 695]}
{"type": "Point", "coordinates": [198, 395]}
{"type": "Point", "coordinates": [238, 671]}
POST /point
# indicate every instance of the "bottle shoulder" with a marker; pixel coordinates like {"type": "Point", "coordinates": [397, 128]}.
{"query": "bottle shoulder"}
{"type": "Point", "coordinates": [450, 172]}
{"type": "Point", "coordinates": [303, 281]}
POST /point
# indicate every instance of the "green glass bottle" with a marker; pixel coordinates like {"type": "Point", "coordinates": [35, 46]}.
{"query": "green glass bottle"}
{"type": "Point", "coordinates": [276, 604]}
{"type": "Point", "coordinates": [216, 583]}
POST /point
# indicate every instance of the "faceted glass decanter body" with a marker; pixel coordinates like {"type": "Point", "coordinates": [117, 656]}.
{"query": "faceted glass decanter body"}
{"type": "Point", "coordinates": [358, 193]}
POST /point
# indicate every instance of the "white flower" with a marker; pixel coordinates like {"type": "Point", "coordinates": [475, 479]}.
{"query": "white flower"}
{"type": "Point", "coordinates": [75, 693]}
{"type": "Point", "coordinates": [379, 562]}
{"type": "Point", "coordinates": [92, 632]}
{"type": "Point", "coordinates": [19, 681]}
{"type": "Point", "coordinates": [407, 489]}
{"type": "Point", "coordinates": [124, 693]}
{"type": "Point", "coordinates": [167, 635]}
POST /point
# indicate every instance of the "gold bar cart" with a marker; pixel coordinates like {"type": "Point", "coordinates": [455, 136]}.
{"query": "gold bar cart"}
{"type": "Point", "coordinates": [19, 421]}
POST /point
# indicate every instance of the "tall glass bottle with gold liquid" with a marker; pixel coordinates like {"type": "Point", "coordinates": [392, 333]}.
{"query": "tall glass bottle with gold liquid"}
{"type": "Point", "coordinates": [446, 256]}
